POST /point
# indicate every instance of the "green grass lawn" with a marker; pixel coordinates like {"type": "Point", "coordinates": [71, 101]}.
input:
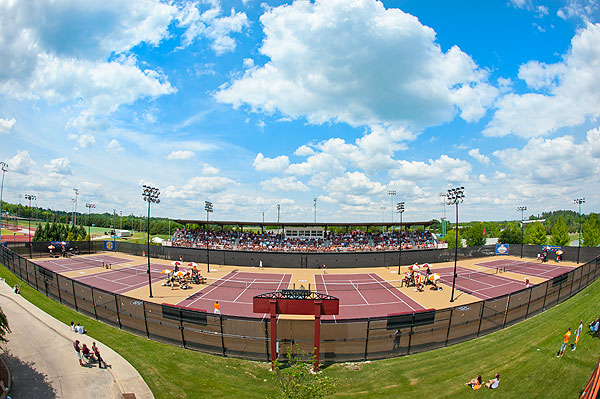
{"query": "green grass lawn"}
{"type": "Point", "coordinates": [9, 232]}
{"type": "Point", "coordinates": [524, 354]}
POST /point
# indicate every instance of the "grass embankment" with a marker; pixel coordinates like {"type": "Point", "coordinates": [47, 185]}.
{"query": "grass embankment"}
{"type": "Point", "coordinates": [524, 354]}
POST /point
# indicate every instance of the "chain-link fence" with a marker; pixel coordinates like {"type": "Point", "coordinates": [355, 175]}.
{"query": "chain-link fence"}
{"type": "Point", "coordinates": [345, 340]}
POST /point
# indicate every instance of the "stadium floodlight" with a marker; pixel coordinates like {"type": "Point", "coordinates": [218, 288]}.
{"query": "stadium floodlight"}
{"type": "Point", "coordinates": [89, 207]}
{"type": "Point", "coordinates": [208, 207]}
{"type": "Point", "coordinates": [76, 191]}
{"type": "Point", "coordinates": [278, 210]}
{"type": "Point", "coordinates": [392, 194]}
{"type": "Point", "coordinates": [150, 195]}
{"type": "Point", "coordinates": [30, 198]}
{"type": "Point", "coordinates": [315, 205]}
{"type": "Point", "coordinates": [455, 196]}
{"type": "Point", "coordinates": [4, 167]}
{"type": "Point", "coordinates": [400, 210]}
{"type": "Point", "coordinates": [522, 209]}
{"type": "Point", "coordinates": [579, 201]}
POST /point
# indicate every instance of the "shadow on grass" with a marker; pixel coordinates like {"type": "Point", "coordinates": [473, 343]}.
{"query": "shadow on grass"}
{"type": "Point", "coordinates": [27, 381]}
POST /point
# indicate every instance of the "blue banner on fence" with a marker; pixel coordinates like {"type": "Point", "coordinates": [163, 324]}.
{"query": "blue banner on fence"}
{"type": "Point", "coordinates": [502, 249]}
{"type": "Point", "coordinates": [551, 248]}
{"type": "Point", "coordinates": [110, 246]}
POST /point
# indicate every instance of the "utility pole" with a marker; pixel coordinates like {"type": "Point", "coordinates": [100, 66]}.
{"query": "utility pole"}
{"type": "Point", "coordinates": [75, 212]}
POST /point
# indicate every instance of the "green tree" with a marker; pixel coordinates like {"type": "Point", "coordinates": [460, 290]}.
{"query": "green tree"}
{"type": "Point", "coordinates": [4, 328]}
{"type": "Point", "coordinates": [450, 238]}
{"type": "Point", "coordinates": [474, 235]}
{"type": "Point", "coordinates": [591, 232]}
{"type": "Point", "coordinates": [560, 234]}
{"type": "Point", "coordinates": [536, 234]}
{"type": "Point", "coordinates": [295, 379]}
{"type": "Point", "coordinates": [510, 235]}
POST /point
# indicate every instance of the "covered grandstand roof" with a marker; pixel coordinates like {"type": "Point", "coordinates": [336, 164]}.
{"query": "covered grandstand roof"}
{"type": "Point", "coordinates": [301, 224]}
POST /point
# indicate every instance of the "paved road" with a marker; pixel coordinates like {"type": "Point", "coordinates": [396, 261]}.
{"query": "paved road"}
{"type": "Point", "coordinates": [43, 362]}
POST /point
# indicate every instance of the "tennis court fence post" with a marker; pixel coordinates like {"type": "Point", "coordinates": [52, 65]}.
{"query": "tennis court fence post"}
{"type": "Point", "coordinates": [545, 296]}
{"type": "Point", "coordinates": [222, 338]}
{"type": "Point", "coordinates": [118, 315]}
{"type": "Point", "coordinates": [94, 303]}
{"type": "Point", "coordinates": [266, 323]}
{"type": "Point", "coordinates": [480, 317]}
{"type": "Point", "coordinates": [506, 310]}
{"type": "Point", "coordinates": [74, 296]}
{"type": "Point", "coordinates": [449, 325]}
{"type": "Point", "coordinates": [146, 319]}
{"type": "Point", "coordinates": [410, 334]}
{"type": "Point", "coordinates": [367, 338]}
{"type": "Point", "coordinates": [529, 302]}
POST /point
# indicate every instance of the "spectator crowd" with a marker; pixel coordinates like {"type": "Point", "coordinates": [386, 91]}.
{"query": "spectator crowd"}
{"type": "Point", "coordinates": [355, 241]}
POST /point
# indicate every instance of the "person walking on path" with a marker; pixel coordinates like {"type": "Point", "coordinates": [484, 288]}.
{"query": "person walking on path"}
{"type": "Point", "coordinates": [577, 334]}
{"type": "Point", "coordinates": [78, 350]}
{"type": "Point", "coordinates": [566, 338]}
{"type": "Point", "coordinates": [97, 353]}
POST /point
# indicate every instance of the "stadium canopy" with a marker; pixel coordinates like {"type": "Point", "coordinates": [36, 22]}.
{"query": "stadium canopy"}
{"type": "Point", "coordinates": [282, 225]}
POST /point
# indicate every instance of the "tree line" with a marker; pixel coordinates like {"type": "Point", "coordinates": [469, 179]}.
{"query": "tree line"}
{"type": "Point", "coordinates": [554, 231]}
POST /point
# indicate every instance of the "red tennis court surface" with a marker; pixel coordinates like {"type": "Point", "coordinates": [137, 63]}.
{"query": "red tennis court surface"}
{"type": "Point", "coordinates": [123, 280]}
{"type": "Point", "coordinates": [479, 284]}
{"type": "Point", "coordinates": [235, 292]}
{"type": "Point", "coordinates": [63, 265]}
{"type": "Point", "coordinates": [364, 295]}
{"type": "Point", "coordinates": [537, 269]}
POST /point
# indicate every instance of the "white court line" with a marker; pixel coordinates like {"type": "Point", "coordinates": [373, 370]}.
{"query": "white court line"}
{"type": "Point", "coordinates": [245, 289]}
{"type": "Point", "coordinates": [391, 292]}
{"type": "Point", "coordinates": [359, 293]}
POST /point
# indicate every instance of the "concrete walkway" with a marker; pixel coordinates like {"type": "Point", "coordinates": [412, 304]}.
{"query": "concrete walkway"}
{"type": "Point", "coordinates": [44, 364]}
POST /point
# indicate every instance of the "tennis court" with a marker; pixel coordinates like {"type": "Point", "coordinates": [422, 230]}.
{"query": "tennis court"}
{"type": "Point", "coordinates": [537, 269]}
{"type": "Point", "coordinates": [364, 295]}
{"type": "Point", "coordinates": [79, 262]}
{"type": "Point", "coordinates": [235, 291]}
{"type": "Point", "coordinates": [481, 284]}
{"type": "Point", "coordinates": [122, 280]}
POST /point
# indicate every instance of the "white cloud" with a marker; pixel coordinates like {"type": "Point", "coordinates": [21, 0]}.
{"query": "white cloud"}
{"type": "Point", "coordinates": [6, 125]}
{"type": "Point", "coordinates": [558, 161]}
{"type": "Point", "coordinates": [198, 186]}
{"type": "Point", "coordinates": [86, 140]}
{"type": "Point", "coordinates": [115, 146]}
{"type": "Point", "coordinates": [569, 92]}
{"type": "Point", "coordinates": [304, 151]}
{"type": "Point", "coordinates": [61, 166]}
{"type": "Point", "coordinates": [483, 179]}
{"type": "Point", "coordinates": [283, 184]}
{"type": "Point", "coordinates": [211, 25]}
{"type": "Point", "coordinates": [71, 51]}
{"type": "Point", "coordinates": [209, 170]}
{"type": "Point", "coordinates": [479, 157]}
{"type": "Point", "coordinates": [445, 167]}
{"type": "Point", "coordinates": [585, 10]}
{"type": "Point", "coordinates": [248, 63]}
{"type": "Point", "coordinates": [264, 164]}
{"type": "Point", "coordinates": [180, 155]}
{"type": "Point", "coordinates": [499, 175]}
{"type": "Point", "coordinates": [358, 63]}
{"type": "Point", "coordinates": [21, 163]}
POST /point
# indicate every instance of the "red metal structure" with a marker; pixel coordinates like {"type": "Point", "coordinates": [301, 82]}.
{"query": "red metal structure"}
{"type": "Point", "coordinates": [302, 302]}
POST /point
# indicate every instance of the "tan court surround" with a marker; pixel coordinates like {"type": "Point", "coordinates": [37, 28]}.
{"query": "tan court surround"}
{"type": "Point", "coordinates": [428, 299]}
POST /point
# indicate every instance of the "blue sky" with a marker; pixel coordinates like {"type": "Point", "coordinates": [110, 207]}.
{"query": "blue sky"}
{"type": "Point", "coordinates": [252, 104]}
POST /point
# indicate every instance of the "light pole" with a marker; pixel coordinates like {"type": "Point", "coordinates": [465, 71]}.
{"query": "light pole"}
{"type": "Point", "coordinates": [150, 194]}
{"type": "Point", "coordinates": [315, 205]}
{"type": "Point", "coordinates": [75, 212]}
{"type": "Point", "coordinates": [392, 194]}
{"type": "Point", "coordinates": [208, 207]}
{"type": "Point", "coordinates": [278, 210]}
{"type": "Point", "coordinates": [443, 195]}
{"type": "Point", "coordinates": [89, 207]}
{"type": "Point", "coordinates": [455, 196]}
{"type": "Point", "coordinates": [579, 201]}
{"type": "Point", "coordinates": [30, 197]}
{"type": "Point", "coordinates": [4, 167]}
{"type": "Point", "coordinates": [522, 209]}
{"type": "Point", "coordinates": [400, 210]}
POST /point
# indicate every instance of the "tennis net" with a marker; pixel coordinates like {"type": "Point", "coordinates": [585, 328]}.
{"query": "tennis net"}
{"type": "Point", "coordinates": [515, 267]}
{"type": "Point", "coordinates": [475, 274]}
{"type": "Point", "coordinates": [87, 260]}
{"type": "Point", "coordinates": [259, 285]}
